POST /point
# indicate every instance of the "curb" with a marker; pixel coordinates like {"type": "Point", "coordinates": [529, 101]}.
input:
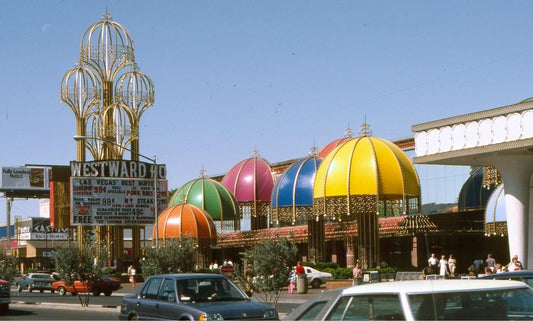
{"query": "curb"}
{"type": "Point", "coordinates": [68, 306]}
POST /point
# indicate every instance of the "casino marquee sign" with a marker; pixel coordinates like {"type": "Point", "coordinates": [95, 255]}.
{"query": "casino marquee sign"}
{"type": "Point", "coordinates": [116, 192]}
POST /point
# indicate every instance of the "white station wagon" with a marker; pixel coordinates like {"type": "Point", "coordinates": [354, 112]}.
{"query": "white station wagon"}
{"type": "Point", "coordinates": [427, 300]}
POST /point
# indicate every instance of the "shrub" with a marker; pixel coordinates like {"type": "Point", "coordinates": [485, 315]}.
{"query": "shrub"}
{"type": "Point", "coordinates": [326, 265]}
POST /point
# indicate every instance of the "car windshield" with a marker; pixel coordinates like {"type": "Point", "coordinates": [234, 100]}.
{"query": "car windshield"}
{"type": "Point", "coordinates": [209, 289]}
{"type": "Point", "coordinates": [514, 304]}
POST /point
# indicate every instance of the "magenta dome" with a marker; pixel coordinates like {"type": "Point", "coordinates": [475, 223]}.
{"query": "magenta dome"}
{"type": "Point", "coordinates": [250, 180]}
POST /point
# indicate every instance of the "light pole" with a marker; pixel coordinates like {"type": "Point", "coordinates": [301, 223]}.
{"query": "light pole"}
{"type": "Point", "coordinates": [155, 174]}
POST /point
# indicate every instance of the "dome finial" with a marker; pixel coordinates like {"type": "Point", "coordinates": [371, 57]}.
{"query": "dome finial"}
{"type": "Point", "coordinates": [365, 129]}
{"type": "Point", "coordinates": [203, 173]}
{"type": "Point", "coordinates": [106, 16]}
{"type": "Point", "coordinates": [314, 150]}
{"type": "Point", "coordinates": [348, 132]}
{"type": "Point", "coordinates": [255, 153]}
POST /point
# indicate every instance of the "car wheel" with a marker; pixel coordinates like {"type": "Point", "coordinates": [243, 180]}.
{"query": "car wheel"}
{"type": "Point", "coordinates": [19, 288]}
{"type": "Point", "coordinates": [96, 292]}
{"type": "Point", "coordinates": [316, 283]}
{"type": "Point", "coordinates": [73, 293]}
{"type": "Point", "coordinates": [61, 291]}
{"type": "Point", "coordinates": [134, 317]}
{"type": "Point", "coordinates": [52, 291]}
{"type": "Point", "coordinates": [4, 308]}
{"type": "Point", "coordinates": [42, 291]}
{"type": "Point", "coordinates": [107, 293]}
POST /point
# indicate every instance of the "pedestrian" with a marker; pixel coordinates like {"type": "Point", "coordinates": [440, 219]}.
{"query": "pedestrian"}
{"type": "Point", "coordinates": [490, 262]}
{"type": "Point", "coordinates": [357, 274]}
{"type": "Point", "coordinates": [300, 270]}
{"type": "Point", "coordinates": [514, 265]}
{"type": "Point", "coordinates": [478, 266]}
{"type": "Point", "coordinates": [433, 263]}
{"type": "Point", "coordinates": [452, 265]}
{"type": "Point", "coordinates": [131, 274]}
{"type": "Point", "coordinates": [443, 265]}
{"type": "Point", "coordinates": [292, 281]}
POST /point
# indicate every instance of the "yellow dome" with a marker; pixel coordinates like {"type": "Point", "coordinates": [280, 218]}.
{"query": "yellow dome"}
{"type": "Point", "coordinates": [367, 166]}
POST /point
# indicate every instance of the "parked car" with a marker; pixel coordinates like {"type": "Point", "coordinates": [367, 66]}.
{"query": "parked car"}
{"type": "Point", "coordinates": [35, 281]}
{"type": "Point", "coordinates": [104, 284]}
{"type": "Point", "coordinates": [193, 297]}
{"type": "Point", "coordinates": [5, 295]}
{"type": "Point", "coordinates": [316, 278]}
{"type": "Point", "coordinates": [430, 300]}
{"type": "Point", "coordinates": [522, 275]}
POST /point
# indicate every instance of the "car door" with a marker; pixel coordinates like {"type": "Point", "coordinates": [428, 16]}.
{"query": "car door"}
{"type": "Point", "coordinates": [147, 304]}
{"type": "Point", "coordinates": [168, 307]}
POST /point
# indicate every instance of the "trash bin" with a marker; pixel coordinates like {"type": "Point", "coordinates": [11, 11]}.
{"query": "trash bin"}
{"type": "Point", "coordinates": [301, 284]}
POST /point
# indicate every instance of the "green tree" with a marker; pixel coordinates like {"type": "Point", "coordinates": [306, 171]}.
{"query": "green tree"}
{"type": "Point", "coordinates": [8, 266]}
{"type": "Point", "coordinates": [173, 257]}
{"type": "Point", "coordinates": [84, 263]}
{"type": "Point", "coordinates": [268, 265]}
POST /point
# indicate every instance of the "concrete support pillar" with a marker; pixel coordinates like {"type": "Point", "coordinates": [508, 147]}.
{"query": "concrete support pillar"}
{"type": "Point", "coordinates": [516, 173]}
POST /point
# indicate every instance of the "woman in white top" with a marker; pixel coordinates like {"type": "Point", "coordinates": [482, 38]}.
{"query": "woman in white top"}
{"type": "Point", "coordinates": [443, 265]}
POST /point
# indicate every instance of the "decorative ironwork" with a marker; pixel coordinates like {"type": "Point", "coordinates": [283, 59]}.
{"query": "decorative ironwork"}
{"type": "Point", "coordinates": [496, 229]}
{"type": "Point", "coordinates": [414, 224]}
{"type": "Point", "coordinates": [491, 177]}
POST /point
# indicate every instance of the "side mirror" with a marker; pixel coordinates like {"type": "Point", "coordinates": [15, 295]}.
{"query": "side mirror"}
{"type": "Point", "coordinates": [248, 293]}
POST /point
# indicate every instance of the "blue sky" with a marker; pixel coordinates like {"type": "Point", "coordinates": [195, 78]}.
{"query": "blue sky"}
{"type": "Point", "coordinates": [279, 76]}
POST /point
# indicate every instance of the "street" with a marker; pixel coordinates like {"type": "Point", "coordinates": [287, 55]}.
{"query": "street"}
{"type": "Point", "coordinates": [55, 312]}
{"type": "Point", "coordinates": [51, 306]}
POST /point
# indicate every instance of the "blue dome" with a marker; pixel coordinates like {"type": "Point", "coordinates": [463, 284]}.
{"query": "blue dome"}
{"type": "Point", "coordinates": [295, 186]}
{"type": "Point", "coordinates": [473, 194]}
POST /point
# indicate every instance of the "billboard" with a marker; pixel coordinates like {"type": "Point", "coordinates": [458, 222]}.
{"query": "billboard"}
{"type": "Point", "coordinates": [116, 201]}
{"type": "Point", "coordinates": [24, 178]}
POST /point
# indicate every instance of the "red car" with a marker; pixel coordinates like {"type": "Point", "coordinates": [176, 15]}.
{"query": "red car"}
{"type": "Point", "coordinates": [105, 285]}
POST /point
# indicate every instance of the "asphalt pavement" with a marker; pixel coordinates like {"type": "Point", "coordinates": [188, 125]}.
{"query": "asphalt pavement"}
{"type": "Point", "coordinates": [285, 298]}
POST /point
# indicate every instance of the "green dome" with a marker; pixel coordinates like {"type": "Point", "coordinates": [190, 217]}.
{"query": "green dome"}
{"type": "Point", "coordinates": [209, 195]}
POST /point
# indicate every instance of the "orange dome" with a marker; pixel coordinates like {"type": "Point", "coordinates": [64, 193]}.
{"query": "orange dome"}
{"type": "Point", "coordinates": [185, 220]}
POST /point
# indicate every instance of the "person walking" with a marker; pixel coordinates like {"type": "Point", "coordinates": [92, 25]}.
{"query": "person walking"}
{"type": "Point", "coordinates": [131, 274]}
{"type": "Point", "coordinates": [357, 274]}
{"type": "Point", "coordinates": [433, 263]}
{"type": "Point", "coordinates": [452, 265]}
{"type": "Point", "coordinates": [443, 266]}
{"type": "Point", "coordinates": [292, 281]}
{"type": "Point", "coordinates": [490, 262]}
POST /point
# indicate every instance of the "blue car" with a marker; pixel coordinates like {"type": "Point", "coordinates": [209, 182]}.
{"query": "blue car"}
{"type": "Point", "coordinates": [193, 297]}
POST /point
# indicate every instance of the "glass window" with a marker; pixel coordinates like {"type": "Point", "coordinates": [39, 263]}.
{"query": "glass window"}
{"type": "Point", "coordinates": [368, 307]}
{"type": "Point", "coordinates": [487, 305]}
{"type": "Point", "coordinates": [167, 292]}
{"type": "Point", "coordinates": [312, 311]}
{"type": "Point", "coordinates": [151, 289]}
{"type": "Point", "coordinates": [206, 289]}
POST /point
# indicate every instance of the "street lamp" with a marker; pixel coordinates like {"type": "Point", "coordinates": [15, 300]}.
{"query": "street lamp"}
{"type": "Point", "coordinates": [155, 173]}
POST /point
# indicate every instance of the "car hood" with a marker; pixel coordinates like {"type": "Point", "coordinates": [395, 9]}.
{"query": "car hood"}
{"type": "Point", "coordinates": [233, 310]}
